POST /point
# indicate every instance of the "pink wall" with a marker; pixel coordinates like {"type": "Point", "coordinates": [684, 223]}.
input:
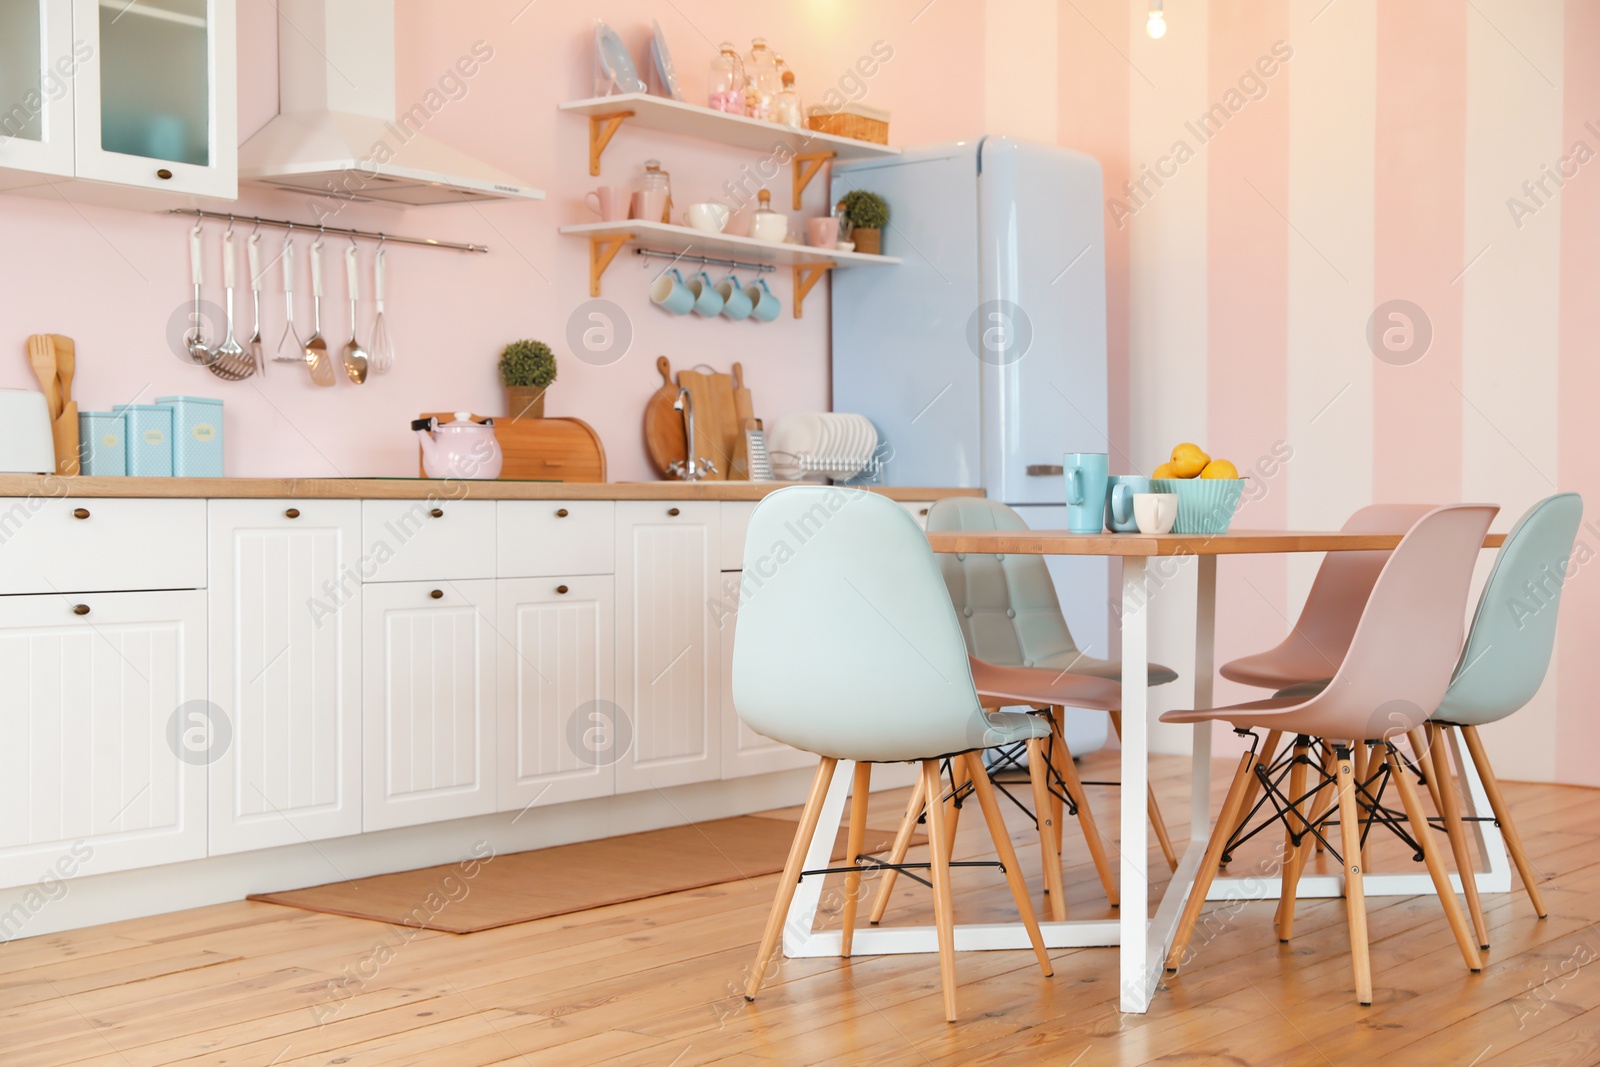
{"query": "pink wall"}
{"type": "Point", "coordinates": [112, 279]}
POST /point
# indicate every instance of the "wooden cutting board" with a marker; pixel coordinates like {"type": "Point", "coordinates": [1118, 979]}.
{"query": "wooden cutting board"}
{"type": "Point", "coordinates": [743, 415]}
{"type": "Point", "coordinates": [715, 425]}
{"type": "Point", "coordinates": [558, 450]}
{"type": "Point", "coordinates": [663, 427]}
{"type": "Point", "coordinates": [744, 406]}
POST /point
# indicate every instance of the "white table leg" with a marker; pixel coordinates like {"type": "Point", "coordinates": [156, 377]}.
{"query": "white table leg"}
{"type": "Point", "coordinates": [1137, 979]}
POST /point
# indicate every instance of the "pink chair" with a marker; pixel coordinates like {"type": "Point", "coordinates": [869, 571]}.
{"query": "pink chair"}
{"type": "Point", "coordinates": [1397, 667]}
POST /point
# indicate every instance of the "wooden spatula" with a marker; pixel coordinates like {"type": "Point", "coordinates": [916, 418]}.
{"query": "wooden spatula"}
{"type": "Point", "coordinates": [66, 366]}
{"type": "Point", "coordinates": [42, 354]}
{"type": "Point", "coordinates": [743, 403]}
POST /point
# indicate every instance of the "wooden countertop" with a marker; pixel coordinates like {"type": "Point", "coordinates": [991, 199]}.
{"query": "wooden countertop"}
{"type": "Point", "coordinates": [23, 485]}
{"type": "Point", "coordinates": [1235, 542]}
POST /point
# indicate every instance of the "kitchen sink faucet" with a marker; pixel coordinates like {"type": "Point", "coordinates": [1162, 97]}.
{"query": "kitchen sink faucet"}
{"type": "Point", "coordinates": [695, 469]}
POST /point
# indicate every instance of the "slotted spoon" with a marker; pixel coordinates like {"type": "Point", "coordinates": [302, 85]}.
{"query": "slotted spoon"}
{"type": "Point", "coordinates": [355, 357]}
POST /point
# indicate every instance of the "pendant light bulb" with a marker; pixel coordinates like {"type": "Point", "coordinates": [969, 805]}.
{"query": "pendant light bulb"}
{"type": "Point", "coordinates": [1156, 27]}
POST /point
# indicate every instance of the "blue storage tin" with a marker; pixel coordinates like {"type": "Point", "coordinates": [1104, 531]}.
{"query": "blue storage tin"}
{"type": "Point", "coordinates": [196, 435]}
{"type": "Point", "coordinates": [149, 439]}
{"type": "Point", "coordinates": [103, 443]}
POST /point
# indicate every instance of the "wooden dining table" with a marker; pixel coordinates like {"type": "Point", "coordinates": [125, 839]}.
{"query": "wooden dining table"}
{"type": "Point", "coordinates": [1149, 563]}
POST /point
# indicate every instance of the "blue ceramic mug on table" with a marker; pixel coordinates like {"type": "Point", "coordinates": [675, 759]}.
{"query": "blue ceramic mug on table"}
{"type": "Point", "coordinates": [1119, 501]}
{"type": "Point", "coordinates": [1085, 474]}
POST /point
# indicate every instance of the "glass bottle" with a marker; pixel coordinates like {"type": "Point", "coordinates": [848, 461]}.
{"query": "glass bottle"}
{"type": "Point", "coordinates": [725, 89]}
{"type": "Point", "coordinates": [655, 183]}
{"type": "Point", "coordinates": [761, 74]}
{"type": "Point", "coordinates": [786, 109]}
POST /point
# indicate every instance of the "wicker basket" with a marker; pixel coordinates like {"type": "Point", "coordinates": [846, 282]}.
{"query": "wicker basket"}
{"type": "Point", "coordinates": [855, 122]}
{"type": "Point", "coordinates": [1205, 505]}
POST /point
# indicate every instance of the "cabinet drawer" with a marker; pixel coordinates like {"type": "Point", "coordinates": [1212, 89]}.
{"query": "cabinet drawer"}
{"type": "Point", "coordinates": [735, 520]}
{"type": "Point", "coordinates": [918, 510]}
{"type": "Point", "coordinates": [426, 540]}
{"type": "Point", "coordinates": [550, 538]}
{"type": "Point", "coordinates": [91, 545]}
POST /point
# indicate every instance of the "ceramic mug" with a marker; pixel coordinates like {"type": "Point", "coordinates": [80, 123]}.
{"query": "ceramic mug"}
{"type": "Point", "coordinates": [610, 202]}
{"type": "Point", "coordinates": [1120, 489]}
{"type": "Point", "coordinates": [1085, 474]}
{"type": "Point", "coordinates": [764, 307]}
{"type": "Point", "coordinates": [1155, 512]}
{"type": "Point", "coordinates": [711, 216]}
{"type": "Point", "coordinates": [822, 232]}
{"type": "Point", "coordinates": [735, 304]}
{"type": "Point", "coordinates": [707, 301]}
{"type": "Point", "coordinates": [769, 226]}
{"type": "Point", "coordinates": [649, 205]}
{"type": "Point", "coordinates": [670, 293]}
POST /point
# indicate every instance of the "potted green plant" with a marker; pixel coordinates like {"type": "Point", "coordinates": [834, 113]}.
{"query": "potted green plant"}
{"type": "Point", "coordinates": [867, 213]}
{"type": "Point", "coordinates": [527, 368]}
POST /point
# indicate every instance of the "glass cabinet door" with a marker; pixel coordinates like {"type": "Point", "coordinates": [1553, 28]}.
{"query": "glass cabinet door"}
{"type": "Point", "coordinates": [156, 106]}
{"type": "Point", "coordinates": [38, 69]}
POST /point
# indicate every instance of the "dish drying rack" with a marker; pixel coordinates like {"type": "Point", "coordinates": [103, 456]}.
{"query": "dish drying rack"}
{"type": "Point", "coordinates": [853, 468]}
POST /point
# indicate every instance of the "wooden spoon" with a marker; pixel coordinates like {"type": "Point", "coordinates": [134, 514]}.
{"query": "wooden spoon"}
{"type": "Point", "coordinates": [42, 354]}
{"type": "Point", "coordinates": [66, 366]}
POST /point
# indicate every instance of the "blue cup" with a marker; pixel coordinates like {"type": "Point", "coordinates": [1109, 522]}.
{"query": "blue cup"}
{"type": "Point", "coordinates": [764, 307]}
{"type": "Point", "coordinates": [707, 301]}
{"type": "Point", "coordinates": [735, 304]}
{"type": "Point", "coordinates": [1119, 501]}
{"type": "Point", "coordinates": [1085, 474]}
{"type": "Point", "coordinates": [671, 294]}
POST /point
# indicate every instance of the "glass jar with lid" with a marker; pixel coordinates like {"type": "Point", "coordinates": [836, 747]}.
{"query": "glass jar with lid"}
{"type": "Point", "coordinates": [725, 88]}
{"type": "Point", "coordinates": [786, 109]}
{"type": "Point", "coordinates": [653, 201]}
{"type": "Point", "coordinates": [761, 75]}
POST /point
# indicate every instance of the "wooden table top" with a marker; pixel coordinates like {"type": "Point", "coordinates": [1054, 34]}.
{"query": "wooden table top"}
{"type": "Point", "coordinates": [1235, 542]}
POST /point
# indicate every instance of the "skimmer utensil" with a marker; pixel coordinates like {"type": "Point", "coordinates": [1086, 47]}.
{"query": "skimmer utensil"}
{"type": "Point", "coordinates": [232, 364]}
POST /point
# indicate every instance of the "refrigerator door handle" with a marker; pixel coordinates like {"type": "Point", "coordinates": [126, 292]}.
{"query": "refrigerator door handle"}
{"type": "Point", "coordinates": [1045, 470]}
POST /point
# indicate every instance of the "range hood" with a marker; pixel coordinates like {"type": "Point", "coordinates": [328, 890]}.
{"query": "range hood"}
{"type": "Point", "coordinates": [338, 133]}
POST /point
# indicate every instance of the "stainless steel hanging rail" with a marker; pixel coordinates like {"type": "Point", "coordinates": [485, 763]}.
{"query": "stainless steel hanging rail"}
{"type": "Point", "coordinates": [731, 264]}
{"type": "Point", "coordinates": [387, 238]}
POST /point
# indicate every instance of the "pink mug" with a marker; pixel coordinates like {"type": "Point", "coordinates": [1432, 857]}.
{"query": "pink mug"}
{"type": "Point", "coordinates": [610, 202]}
{"type": "Point", "coordinates": [649, 205]}
{"type": "Point", "coordinates": [823, 232]}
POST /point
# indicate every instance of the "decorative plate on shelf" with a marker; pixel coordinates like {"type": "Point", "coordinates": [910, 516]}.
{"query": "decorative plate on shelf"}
{"type": "Point", "coordinates": [614, 59]}
{"type": "Point", "coordinates": [665, 71]}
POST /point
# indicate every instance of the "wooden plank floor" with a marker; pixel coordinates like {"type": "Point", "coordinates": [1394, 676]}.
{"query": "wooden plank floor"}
{"type": "Point", "coordinates": [656, 982]}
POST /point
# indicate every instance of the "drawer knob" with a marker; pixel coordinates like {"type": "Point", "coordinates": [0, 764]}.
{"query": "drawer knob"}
{"type": "Point", "coordinates": [164, 174]}
{"type": "Point", "coordinates": [672, 511]}
{"type": "Point", "coordinates": [80, 609]}
{"type": "Point", "coordinates": [561, 589]}
{"type": "Point", "coordinates": [292, 513]}
{"type": "Point", "coordinates": [437, 594]}
{"type": "Point", "coordinates": [922, 511]}
{"type": "Point", "coordinates": [80, 513]}
{"type": "Point", "coordinates": [561, 513]}
{"type": "Point", "coordinates": [437, 513]}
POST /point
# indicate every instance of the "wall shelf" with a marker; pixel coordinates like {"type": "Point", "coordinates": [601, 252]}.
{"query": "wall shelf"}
{"type": "Point", "coordinates": [606, 239]}
{"type": "Point", "coordinates": [806, 150]}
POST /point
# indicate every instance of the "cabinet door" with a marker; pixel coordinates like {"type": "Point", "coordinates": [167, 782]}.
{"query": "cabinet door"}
{"type": "Point", "coordinates": [155, 104]}
{"type": "Point", "coordinates": [101, 769]}
{"type": "Point", "coordinates": [429, 693]}
{"type": "Point", "coordinates": [560, 730]}
{"type": "Point", "coordinates": [669, 657]}
{"type": "Point", "coordinates": [285, 667]}
{"type": "Point", "coordinates": [744, 751]}
{"type": "Point", "coordinates": [38, 64]}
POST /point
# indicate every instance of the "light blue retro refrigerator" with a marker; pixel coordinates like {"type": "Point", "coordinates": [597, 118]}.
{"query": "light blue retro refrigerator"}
{"type": "Point", "coordinates": [981, 358]}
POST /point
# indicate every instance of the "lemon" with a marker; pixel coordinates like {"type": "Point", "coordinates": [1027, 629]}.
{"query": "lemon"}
{"type": "Point", "coordinates": [1189, 460]}
{"type": "Point", "coordinates": [1164, 471]}
{"type": "Point", "coordinates": [1220, 468]}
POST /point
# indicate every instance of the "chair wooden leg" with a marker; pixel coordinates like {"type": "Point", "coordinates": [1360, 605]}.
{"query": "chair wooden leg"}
{"type": "Point", "coordinates": [1355, 898]}
{"type": "Point", "coordinates": [1420, 743]}
{"type": "Point", "coordinates": [1269, 751]}
{"type": "Point", "coordinates": [939, 870]}
{"type": "Point", "coordinates": [959, 776]}
{"type": "Point", "coordinates": [1008, 858]}
{"type": "Point", "coordinates": [1091, 832]}
{"type": "Point", "coordinates": [1359, 759]}
{"type": "Point", "coordinates": [1294, 826]}
{"type": "Point", "coordinates": [1330, 773]}
{"type": "Point", "coordinates": [1226, 821]}
{"type": "Point", "coordinates": [902, 844]}
{"type": "Point", "coordinates": [791, 874]}
{"type": "Point", "coordinates": [1430, 856]}
{"type": "Point", "coordinates": [1502, 814]}
{"type": "Point", "coordinates": [1157, 823]}
{"type": "Point", "coordinates": [856, 839]}
{"type": "Point", "coordinates": [1058, 807]}
{"type": "Point", "coordinates": [1038, 776]}
{"type": "Point", "coordinates": [1450, 808]}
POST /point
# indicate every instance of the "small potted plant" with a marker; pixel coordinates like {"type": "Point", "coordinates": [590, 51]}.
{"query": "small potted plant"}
{"type": "Point", "coordinates": [867, 213]}
{"type": "Point", "coordinates": [527, 368]}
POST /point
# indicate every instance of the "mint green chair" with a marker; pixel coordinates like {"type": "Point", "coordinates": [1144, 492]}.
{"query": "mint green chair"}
{"type": "Point", "coordinates": [848, 647]}
{"type": "Point", "coordinates": [1502, 666]}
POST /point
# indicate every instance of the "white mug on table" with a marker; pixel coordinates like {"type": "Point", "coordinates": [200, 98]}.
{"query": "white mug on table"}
{"type": "Point", "coordinates": [1155, 512]}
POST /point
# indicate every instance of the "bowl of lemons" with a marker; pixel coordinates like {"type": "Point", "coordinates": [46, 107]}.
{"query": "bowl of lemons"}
{"type": "Point", "coordinates": [1208, 490]}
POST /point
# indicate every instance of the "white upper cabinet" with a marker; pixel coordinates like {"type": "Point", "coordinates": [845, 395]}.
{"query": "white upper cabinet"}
{"type": "Point", "coordinates": [128, 104]}
{"type": "Point", "coordinates": [38, 67]}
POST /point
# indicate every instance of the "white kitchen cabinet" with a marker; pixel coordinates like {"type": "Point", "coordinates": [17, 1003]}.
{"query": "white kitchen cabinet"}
{"type": "Point", "coordinates": [38, 62]}
{"type": "Point", "coordinates": [669, 653]}
{"type": "Point", "coordinates": [106, 545]}
{"type": "Point", "coordinates": [428, 667]}
{"type": "Point", "coordinates": [551, 538]}
{"type": "Point", "coordinates": [735, 516]}
{"type": "Point", "coordinates": [90, 769]}
{"type": "Point", "coordinates": [918, 510]}
{"type": "Point", "coordinates": [285, 650]}
{"type": "Point", "coordinates": [427, 540]}
{"type": "Point", "coordinates": [745, 752]}
{"type": "Point", "coordinates": [560, 731]}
